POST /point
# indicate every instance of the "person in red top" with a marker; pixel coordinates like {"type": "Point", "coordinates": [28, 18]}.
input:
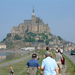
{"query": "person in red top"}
{"type": "Point", "coordinates": [11, 71]}
{"type": "Point", "coordinates": [63, 61]}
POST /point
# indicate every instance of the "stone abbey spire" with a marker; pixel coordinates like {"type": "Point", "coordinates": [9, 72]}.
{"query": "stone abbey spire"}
{"type": "Point", "coordinates": [33, 14]}
{"type": "Point", "coordinates": [35, 25]}
{"type": "Point", "coordinates": [33, 8]}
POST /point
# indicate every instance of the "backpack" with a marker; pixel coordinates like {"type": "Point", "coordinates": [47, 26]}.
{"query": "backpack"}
{"type": "Point", "coordinates": [63, 61]}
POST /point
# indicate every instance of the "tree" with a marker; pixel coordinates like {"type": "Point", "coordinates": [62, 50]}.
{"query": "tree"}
{"type": "Point", "coordinates": [30, 40]}
{"type": "Point", "coordinates": [17, 37]}
{"type": "Point", "coordinates": [59, 38]}
{"type": "Point", "coordinates": [43, 37]}
{"type": "Point", "coordinates": [51, 39]}
{"type": "Point", "coordinates": [45, 31]}
{"type": "Point", "coordinates": [8, 35]}
{"type": "Point", "coordinates": [40, 41]}
{"type": "Point", "coordinates": [43, 34]}
{"type": "Point", "coordinates": [32, 34]}
{"type": "Point", "coordinates": [47, 42]}
{"type": "Point", "coordinates": [50, 34]}
{"type": "Point", "coordinates": [11, 43]}
{"type": "Point", "coordinates": [26, 31]}
{"type": "Point", "coordinates": [46, 36]}
{"type": "Point", "coordinates": [3, 40]}
{"type": "Point", "coordinates": [29, 37]}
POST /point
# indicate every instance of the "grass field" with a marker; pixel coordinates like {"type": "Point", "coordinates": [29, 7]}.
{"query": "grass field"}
{"type": "Point", "coordinates": [70, 67]}
{"type": "Point", "coordinates": [20, 68]}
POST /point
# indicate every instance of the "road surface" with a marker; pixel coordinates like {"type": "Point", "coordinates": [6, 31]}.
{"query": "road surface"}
{"type": "Point", "coordinates": [71, 57]}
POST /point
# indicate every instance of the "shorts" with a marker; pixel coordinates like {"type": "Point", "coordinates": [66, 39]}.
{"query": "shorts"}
{"type": "Point", "coordinates": [59, 65]}
{"type": "Point", "coordinates": [32, 71]}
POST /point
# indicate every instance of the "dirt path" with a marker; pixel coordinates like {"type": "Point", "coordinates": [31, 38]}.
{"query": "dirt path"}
{"type": "Point", "coordinates": [63, 70]}
{"type": "Point", "coordinates": [15, 61]}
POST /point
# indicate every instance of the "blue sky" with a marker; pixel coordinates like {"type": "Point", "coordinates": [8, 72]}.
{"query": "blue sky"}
{"type": "Point", "coordinates": [59, 14]}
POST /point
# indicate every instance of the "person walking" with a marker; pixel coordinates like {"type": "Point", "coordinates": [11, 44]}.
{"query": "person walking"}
{"type": "Point", "coordinates": [56, 50]}
{"type": "Point", "coordinates": [63, 61]}
{"type": "Point", "coordinates": [11, 71]}
{"type": "Point", "coordinates": [47, 50]}
{"type": "Point", "coordinates": [58, 58]}
{"type": "Point", "coordinates": [49, 65]}
{"type": "Point", "coordinates": [61, 50]}
{"type": "Point", "coordinates": [38, 57]}
{"type": "Point", "coordinates": [33, 65]}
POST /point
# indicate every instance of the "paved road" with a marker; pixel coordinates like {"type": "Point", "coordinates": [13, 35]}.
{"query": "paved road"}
{"type": "Point", "coordinates": [71, 57]}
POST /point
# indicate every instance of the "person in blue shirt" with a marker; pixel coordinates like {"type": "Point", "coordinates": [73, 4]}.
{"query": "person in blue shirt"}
{"type": "Point", "coordinates": [49, 65]}
{"type": "Point", "coordinates": [33, 65]}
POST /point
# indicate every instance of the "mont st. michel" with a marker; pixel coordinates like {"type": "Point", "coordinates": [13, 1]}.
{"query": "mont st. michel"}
{"type": "Point", "coordinates": [35, 25]}
{"type": "Point", "coordinates": [34, 33]}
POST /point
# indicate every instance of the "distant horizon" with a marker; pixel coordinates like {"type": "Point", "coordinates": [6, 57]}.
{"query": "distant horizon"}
{"type": "Point", "coordinates": [60, 16]}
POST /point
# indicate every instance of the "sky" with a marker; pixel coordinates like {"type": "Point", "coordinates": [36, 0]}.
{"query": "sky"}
{"type": "Point", "coordinates": [59, 14]}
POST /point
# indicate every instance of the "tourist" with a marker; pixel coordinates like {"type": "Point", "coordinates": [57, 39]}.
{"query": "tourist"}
{"type": "Point", "coordinates": [47, 50]}
{"type": "Point", "coordinates": [11, 71]}
{"type": "Point", "coordinates": [33, 65]}
{"type": "Point", "coordinates": [63, 61]}
{"type": "Point", "coordinates": [61, 50]}
{"type": "Point", "coordinates": [56, 50]}
{"type": "Point", "coordinates": [49, 65]}
{"type": "Point", "coordinates": [38, 57]}
{"type": "Point", "coordinates": [58, 58]}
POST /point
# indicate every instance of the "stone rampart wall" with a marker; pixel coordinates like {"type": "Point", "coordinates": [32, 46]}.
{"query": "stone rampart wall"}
{"type": "Point", "coordinates": [31, 27]}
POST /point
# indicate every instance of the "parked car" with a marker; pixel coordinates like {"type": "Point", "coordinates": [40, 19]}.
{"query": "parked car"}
{"type": "Point", "coordinates": [72, 52]}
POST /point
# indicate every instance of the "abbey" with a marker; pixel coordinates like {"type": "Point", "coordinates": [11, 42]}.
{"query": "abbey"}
{"type": "Point", "coordinates": [35, 25]}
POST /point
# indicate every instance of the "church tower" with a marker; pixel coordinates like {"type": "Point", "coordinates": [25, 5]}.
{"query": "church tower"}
{"type": "Point", "coordinates": [35, 25]}
{"type": "Point", "coordinates": [33, 17]}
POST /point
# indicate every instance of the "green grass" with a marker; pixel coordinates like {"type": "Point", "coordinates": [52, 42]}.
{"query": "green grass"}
{"type": "Point", "coordinates": [70, 67]}
{"type": "Point", "coordinates": [40, 61]}
{"type": "Point", "coordinates": [20, 68]}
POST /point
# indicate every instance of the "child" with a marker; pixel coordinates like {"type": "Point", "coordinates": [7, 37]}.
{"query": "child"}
{"type": "Point", "coordinates": [11, 71]}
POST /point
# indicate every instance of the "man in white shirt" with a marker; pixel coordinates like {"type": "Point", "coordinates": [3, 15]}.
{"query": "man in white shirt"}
{"type": "Point", "coordinates": [61, 50]}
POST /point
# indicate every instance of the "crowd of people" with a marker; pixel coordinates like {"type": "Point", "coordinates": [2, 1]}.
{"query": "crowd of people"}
{"type": "Point", "coordinates": [49, 66]}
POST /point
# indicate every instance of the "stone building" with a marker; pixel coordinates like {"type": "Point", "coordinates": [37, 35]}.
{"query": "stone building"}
{"type": "Point", "coordinates": [2, 46]}
{"type": "Point", "coordinates": [35, 25]}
